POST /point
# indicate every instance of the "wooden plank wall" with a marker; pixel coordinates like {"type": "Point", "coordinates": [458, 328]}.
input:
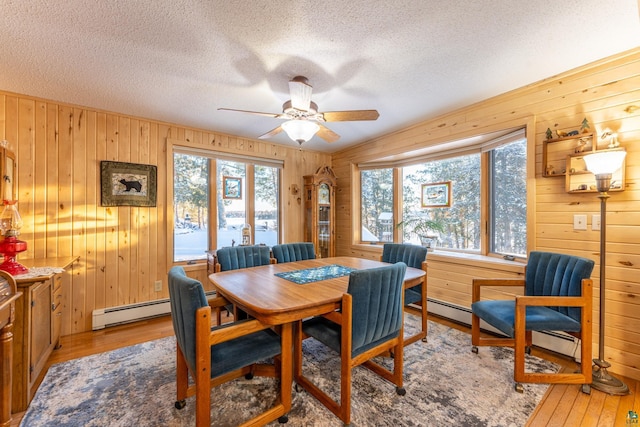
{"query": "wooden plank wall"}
{"type": "Point", "coordinates": [607, 94]}
{"type": "Point", "coordinates": [123, 250]}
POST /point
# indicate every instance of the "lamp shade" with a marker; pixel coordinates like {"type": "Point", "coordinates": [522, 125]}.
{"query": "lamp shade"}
{"type": "Point", "coordinates": [300, 130]}
{"type": "Point", "coordinates": [604, 162]}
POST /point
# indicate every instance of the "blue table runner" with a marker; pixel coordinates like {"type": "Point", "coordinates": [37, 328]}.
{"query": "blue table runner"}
{"type": "Point", "coordinates": [309, 275]}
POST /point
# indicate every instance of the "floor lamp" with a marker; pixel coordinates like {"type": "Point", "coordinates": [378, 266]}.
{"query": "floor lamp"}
{"type": "Point", "coordinates": [603, 164]}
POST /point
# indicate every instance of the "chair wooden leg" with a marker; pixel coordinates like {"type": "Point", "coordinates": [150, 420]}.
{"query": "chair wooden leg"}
{"type": "Point", "coordinates": [475, 330]}
{"type": "Point", "coordinates": [521, 339]}
{"type": "Point", "coordinates": [345, 389]}
{"type": "Point", "coordinates": [202, 376]}
{"type": "Point", "coordinates": [423, 307]}
{"type": "Point", "coordinates": [182, 376]}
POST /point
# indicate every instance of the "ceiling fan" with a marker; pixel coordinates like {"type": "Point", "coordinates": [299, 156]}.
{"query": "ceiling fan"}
{"type": "Point", "coordinates": [303, 118]}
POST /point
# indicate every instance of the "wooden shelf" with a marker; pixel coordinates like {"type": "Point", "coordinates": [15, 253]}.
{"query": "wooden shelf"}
{"type": "Point", "coordinates": [555, 151]}
{"type": "Point", "coordinates": [579, 176]}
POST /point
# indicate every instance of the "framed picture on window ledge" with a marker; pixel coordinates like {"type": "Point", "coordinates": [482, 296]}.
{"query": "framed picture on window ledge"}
{"type": "Point", "coordinates": [231, 187]}
{"type": "Point", "coordinates": [436, 195]}
{"type": "Point", "coordinates": [128, 184]}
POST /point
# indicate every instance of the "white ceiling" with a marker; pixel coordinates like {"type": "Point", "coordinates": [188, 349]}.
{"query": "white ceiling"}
{"type": "Point", "coordinates": [180, 60]}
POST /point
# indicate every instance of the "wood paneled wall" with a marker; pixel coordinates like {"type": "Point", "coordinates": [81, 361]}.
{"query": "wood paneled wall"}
{"type": "Point", "coordinates": [123, 250]}
{"type": "Point", "coordinates": [606, 93]}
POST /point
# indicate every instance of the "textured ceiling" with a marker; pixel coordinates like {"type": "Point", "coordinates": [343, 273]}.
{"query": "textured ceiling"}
{"type": "Point", "coordinates": [180, 60]}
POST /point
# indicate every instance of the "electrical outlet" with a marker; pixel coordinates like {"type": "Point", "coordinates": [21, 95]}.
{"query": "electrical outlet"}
{"type": "Point", "coordinates": [595, 222]}
{"type": "Point", "coordinates": [579, 222]}
{"type": "Point", "coordinates": [158, 285]}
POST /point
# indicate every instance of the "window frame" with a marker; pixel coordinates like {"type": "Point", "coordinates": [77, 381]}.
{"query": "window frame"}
{"type": "Point", "coordinates": [527, 125]}
{"type": "Point", "coordinates": [249, 196]}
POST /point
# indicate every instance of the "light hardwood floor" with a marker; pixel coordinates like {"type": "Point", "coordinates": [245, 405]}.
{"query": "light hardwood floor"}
{"type": "Point", "coordinates": [563, 405]}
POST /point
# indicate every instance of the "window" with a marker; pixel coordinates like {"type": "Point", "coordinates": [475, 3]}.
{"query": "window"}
{"type": "Point", "coordinates": [453, 227]}
{"type": "Point", "coordinates": [508, 198]}
{"type": "Point", "coordinates": [232, 208]}
{"type": "Point", "coordinates": [227, 193]}
{"type": "Point", "coordinates": [267, 196]}
{"type": "Point", "coordinates": [377, 205]}
{"type": "Point", "coordinates": [458, 225]}
{"type": "Point", "coordinates": [190, 206]}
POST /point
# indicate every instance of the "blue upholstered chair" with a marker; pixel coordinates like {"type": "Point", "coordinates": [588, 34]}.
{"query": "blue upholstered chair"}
{"type": "Point", "coordinates": [414, 256]}
{"type": "Point", "coordinates": [214, 355]}
{"type": "Point", "coordinates": [557, 297]}
{"type": "Point", "coordinates": [289, 252]}
{"type": "Point", "coordinates": [368, 324]}
{"type": "Point", "coordinates": [235, 257]}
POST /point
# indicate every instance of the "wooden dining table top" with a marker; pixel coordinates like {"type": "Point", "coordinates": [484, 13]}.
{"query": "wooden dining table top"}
{"type": "Point", "coordinates": [275, 300]}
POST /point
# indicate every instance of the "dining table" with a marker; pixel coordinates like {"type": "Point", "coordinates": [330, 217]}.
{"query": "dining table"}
{"type": "Point", "coordinates": [282, 294]}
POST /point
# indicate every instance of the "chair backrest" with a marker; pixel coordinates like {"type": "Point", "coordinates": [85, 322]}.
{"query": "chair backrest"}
{"type": "Point", "coordinates": [377, 305]}
{"type": "Point", "coordinates": [412, 255]}
{"type": "Point", "coordinates": [289, 252]}
{"type": "Point", "coordinates": [554, 274]}
{"type": "Point", "coordinates": [235, 257]}
{"type": "Point", "coordinates": [186, 296]}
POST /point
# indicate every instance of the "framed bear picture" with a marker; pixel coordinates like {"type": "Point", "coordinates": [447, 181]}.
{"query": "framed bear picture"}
{"type": "Point", "coordinates": [127, 184]}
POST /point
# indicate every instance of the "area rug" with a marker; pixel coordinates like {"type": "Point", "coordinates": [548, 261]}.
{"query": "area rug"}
{"type": "Point", "coordinates": [446, 385]}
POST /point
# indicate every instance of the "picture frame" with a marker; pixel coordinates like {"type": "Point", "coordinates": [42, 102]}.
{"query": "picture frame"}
{"type": "Point", "coordinates": [128, 184]}
{"type": "Point", "coordinates": [436, 195]}
{"type": "Point", "coordinates": [231, 188]}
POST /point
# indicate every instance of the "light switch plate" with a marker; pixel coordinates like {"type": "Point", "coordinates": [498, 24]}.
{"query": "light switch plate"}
{"type": "Point", "coordinates": [579, 222]}
{"type": "Point", "coordinates": [595, 222]}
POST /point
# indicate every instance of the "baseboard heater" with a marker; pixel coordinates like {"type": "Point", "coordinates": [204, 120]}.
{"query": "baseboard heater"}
{"type": "Point", "coordinates": [555, 341]}
{"type": "Point", "coordinates": [112, 316]}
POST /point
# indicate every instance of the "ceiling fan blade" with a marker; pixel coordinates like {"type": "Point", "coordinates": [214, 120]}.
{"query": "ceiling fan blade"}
{"type": "Point", "coordinates": [327, 134]}
{"type": "Point", "coordinates": [348, 116]}
{"type": "Point", "coordinates": [300, 91]}
{"type": "Point", "coordinates": [273, 115]}
{"type": "Point", "coordinates": [272, 132]}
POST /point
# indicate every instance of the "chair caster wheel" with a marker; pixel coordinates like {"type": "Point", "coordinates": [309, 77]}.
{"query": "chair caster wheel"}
{"type": "Point", "coordinates": [297, 388]}
{"type": "Point", "coordinates": [527, 349]}
{"type": "Point", "coordinates": [586, 389]}
{"type": "Point", "coordinates": [424, 339]}
{"type": "Point", "coordinates": [283, 419]}
{"type": "Point", "coordinates": [519, 388]}
{"type": "Point", "coordinates": [474, 349]}
{"type": "Point", "coordinates": [180, 404]}
{"type": "Point", "coordinates": [249, 376]}
{"type": "Point", "coordinates": [401, 391]}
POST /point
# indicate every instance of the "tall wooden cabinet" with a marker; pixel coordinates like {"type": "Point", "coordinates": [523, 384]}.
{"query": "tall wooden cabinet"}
{"type": "Point", "coordinates": [37, 326]}
{"type": "Point", "coordinates": [319, 211]}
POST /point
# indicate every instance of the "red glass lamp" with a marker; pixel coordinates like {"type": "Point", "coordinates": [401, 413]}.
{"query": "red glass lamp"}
{"type": "Point", "coordinates": [10, 224]}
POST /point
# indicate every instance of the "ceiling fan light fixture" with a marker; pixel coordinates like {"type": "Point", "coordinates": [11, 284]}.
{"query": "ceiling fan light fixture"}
{"type": "Point", "coordinates": [300, 130]}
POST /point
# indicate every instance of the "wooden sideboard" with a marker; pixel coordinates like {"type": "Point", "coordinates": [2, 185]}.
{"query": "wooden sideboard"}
{"type": "Point", "coordinates": [37, 326]}
{"type": "Point", "coordinates": [8, 297]}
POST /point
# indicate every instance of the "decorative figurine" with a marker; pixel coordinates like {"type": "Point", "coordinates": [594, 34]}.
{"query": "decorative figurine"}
{"type": "Point", "coordinates": [585, 126]}
{"type": "Point", "coordinates": [561, 134]}
{"type": "Point", "coordinates": [550, 170]}
{"type": "Point", "coordinates": [613, 142]}
{"type": "Point", "coordinates": [581, 145]}
{"type": "Point", "coordinates": [549, 134]}
{"type": "Point", "coordinates": [573, 133]}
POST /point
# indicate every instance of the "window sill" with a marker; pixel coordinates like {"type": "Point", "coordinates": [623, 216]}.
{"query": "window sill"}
{"type": "Point", "coordinates": [459, 258]}
{"type": "Point", "coordinates": [476, 260]}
